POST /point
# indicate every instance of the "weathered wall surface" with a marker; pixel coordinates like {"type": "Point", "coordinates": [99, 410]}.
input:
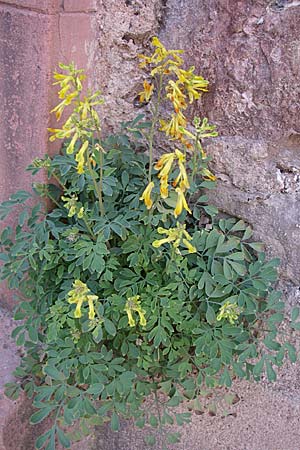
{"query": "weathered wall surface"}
{"type": "Point", "coordinates": [34, 36]}
{"type": "Point", "coordinates": [250, 52]}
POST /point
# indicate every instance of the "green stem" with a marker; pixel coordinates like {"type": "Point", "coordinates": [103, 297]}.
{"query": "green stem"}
{"type": "Point", "coordinates": [98, 192]}
{"type": "Point", "coordinates": [159, 415]}
{"type": "Point", "coordinates": [53, 199]}
{"type": "Point", "coordinates": [59, 181]}
{"type": "Point", "coordinates": [89, 228]}
{"type": "Point", "coordinates": [155, 114]}
{"type": "Point", "coordinates": [101, 182]}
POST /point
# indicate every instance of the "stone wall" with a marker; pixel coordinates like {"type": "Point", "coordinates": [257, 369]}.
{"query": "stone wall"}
{"type": "Point", "coordinates": [250, 53]}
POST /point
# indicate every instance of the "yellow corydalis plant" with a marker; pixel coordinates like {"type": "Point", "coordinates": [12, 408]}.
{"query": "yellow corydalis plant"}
{"type": "Point", "coordinates": [133, 304]}
{"type": "Point", "coordinates": [175, 236]}
{"type": "Point", "coordinates": [79, 295]}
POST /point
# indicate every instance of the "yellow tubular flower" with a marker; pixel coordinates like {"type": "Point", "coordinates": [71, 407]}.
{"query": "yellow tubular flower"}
{"type": "Point", "coordinates": [142, 317]}
{"type": "Point", "coordinates": [78, 313]}
{"type": "Point", "coordinates": [146, 196]}
{"type": "Point", "coordinates": [145, 95]}
{"type": "Point", "coordinates": [80, 294]}
{"type": "Point", "coordinates": [207, 174]}
{"type": "Point", "coordinates": [176, 96]}
{"type": "Point", "coordinates": [158, 243]}
{"type": "Point", "coordinates": [230, 311]}
{"type": "Point", "coordinates": [165, 170]}
{"type": "Point", "coordinates": [181, 203]}
{"type": "Point", "coordinates": [164, 192]}
{"type": "Point", "coordinates": [175, 236]}
{"type": "Point", "coordinates": [70, 148]}
{"type": "Point", "coordinates": [134, 304]}
{"type": "Point", "coordinates": [162, 161]}
{"type": "Point", "coordinates": [189, 246]}
{"type": "Point", "coordinates": [182, 177]}
{"type": "Point", "coordinates": [91, 299]}
{"type": "Point", "coordinates": [80, 157]}
{"type": "Point", "coordinates": [80, 213]}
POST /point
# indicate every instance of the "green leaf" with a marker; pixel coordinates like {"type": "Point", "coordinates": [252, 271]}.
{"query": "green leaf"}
{"type": "Point", "coordinates": [110, 327]}
{"type": "Point", "coordinates": [54, 373]}
{"type": "Point", "coordinates": [40, 415]}
{"type": "Point", "coordinates": [140, 422]}
{"type": "Point", "coordinates": [291, 352]}
{"type": "Point", "coordinates": [153, 421]}
{"type": "Point", "coordinates": [270, 372]}
{"type": "Point", "coordinates": [95, 389]}
{"type": "Point", "coordinates": [33, 334]}
{"type": "Point", "coordinates": [115, 422]}
{"type": "Point", "coordinates": [150, 440]}
{"type": "Point", "coordinates": [174, 401]}
{"type": "Point", "coordinates": [295, 313]}
{"type": "Point", "coordinates": [63, 438]}
{"type": "Point", "coordinates": [258, 368]}
{"type": "Point", "coordinates": [257, 246]}
{"type": "Point", "coordinates": [210, 315]}
{"type": "Point", "coordinates": [225, 378]}
{"type": "Point", "coordinates": [173, 438]}
{"type": "Point", "coordinates": [41, 440]}
{"type": "Point", "coordinates": [240, 269]}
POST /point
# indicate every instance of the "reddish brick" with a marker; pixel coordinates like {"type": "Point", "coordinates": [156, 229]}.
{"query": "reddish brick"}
{"type": "Point", "coordinates": [80, 6]}
{"type": "Point", "coordinates": [46, 6]}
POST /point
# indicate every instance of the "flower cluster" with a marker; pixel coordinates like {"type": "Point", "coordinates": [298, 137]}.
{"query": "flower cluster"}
{"type": "Point", "coordinates": [80, 294]}
{"type": "Point", "coordinates": [175, 236]}
{"type": "Point", "coordinates": [133, 304]}
{"type": "Point", "coordinates": [165, 166]}
{"type": "Point", "coordinates": [74, 208]}
{"type": "Point", "coordinates": [84, 121]}
{"type": "Point", "coordinates": [230, 311]}
{"type": "Point", "coordinates": [183, 87]}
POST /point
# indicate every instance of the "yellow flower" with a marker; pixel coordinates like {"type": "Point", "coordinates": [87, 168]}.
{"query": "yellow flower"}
{"type": "Point", "coordinates": [176, 236]}
{"type": "Point", "coordinates": [182, 177]}
{"type": "Point", "coordinates": [77, 313]}
{"type": "Point", "coordinates": [189, 246]}
{"type": "Point", "coordinates": [161, 58]}
{"type": "Point", "coordinates": [166, 165]}
{"type": "Point", "coordinates": [80, 294]}
{"type": "Point", "coordinates": [181, 203]}
{"type": "Point", "coordinates": [80, 157]}
{"type": "Point", "coordinates": [164, 192]}
{"type": "Point", "coordinates": [207, 174]}
{"type": "Point", "coordinates": [80, 213]}
{"type": "Point", "coordinates": [172, 128]}
{"type": "Point", "coordinates": [70, 204]}
{"type": "Point", "coordinates": [145, 95]}
{"type": "Point", "coordinates": [192, 83]}
{"type": "Point", "coordinates": [134, 304]}
{"type": "Point", "coordinates": [176, 96]}
{"type": "Point", "coordinates": [91, 299]}
{"type": "Point", "coordinates": [230, 311]}
{"type": "Point", "coordinates": [162, 160]}
{"type": "Point", "coordinates": [146, 196]}
{"type": "Point", "coordinates": [70, 148]}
